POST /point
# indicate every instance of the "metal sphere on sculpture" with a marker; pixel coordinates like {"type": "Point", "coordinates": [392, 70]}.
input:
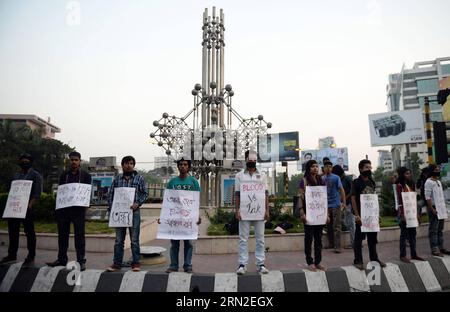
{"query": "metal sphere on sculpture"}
{"type": "Point", "coordinates": [260, 117]}
{"type": "Point", "coordinates": [228, 87]}
{"type": "Point", "coordinates": [198, 87]}
{"type": "Point", "coordinates": [165, 115]}
{"type": "Point", "coordinates": [156, 123]}
{"type": "Point", "coordinates": [212, 85]}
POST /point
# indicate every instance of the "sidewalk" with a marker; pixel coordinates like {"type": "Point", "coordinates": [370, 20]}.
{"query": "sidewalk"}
{"type": "Point", "coordinates": [284, 261]}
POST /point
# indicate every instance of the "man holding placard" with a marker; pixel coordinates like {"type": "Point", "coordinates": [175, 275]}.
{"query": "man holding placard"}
{"type": "Point", "coordinates": [127, 193]}
{"type": "Point", "coordinates": [437, 211]}
{"type": "Point", "coordinates": [25, 191]}
{"type": "Point", "coordinates": [180, 215]}
{"type": "Point", "coordinates": [407, 213]}
{"type": "Point", "coordinates": [366, 210]}
{"type": "Point", "coordinates": [72, 199]}
{"type": "Point", "coordinates": [251, 209]}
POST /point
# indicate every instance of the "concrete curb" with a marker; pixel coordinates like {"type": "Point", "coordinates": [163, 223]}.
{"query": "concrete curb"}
{"type": "Point", "coordinates": [428, 276]}
{"type": "Point", "coordinates": [94, 242]}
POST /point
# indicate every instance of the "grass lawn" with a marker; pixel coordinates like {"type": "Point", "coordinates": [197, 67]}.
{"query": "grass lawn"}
{"type": "Point", "coordinates": [92, 227]}
{"type": "Point", "coordinates": [218, 229]}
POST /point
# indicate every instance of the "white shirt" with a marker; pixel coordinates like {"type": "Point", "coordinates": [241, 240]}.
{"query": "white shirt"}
{"type": "Point", "coordinates": [433, 190]}
{"type": "Point", "coordinates": [244, 176]}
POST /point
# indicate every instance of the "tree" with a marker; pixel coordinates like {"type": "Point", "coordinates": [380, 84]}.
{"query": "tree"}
{"type": "Point", "coordinates": [48, 154]}
{"type": "Point", "coordinates": [294, 183]}
{"type": "Point", "coordinates": [150, 177]}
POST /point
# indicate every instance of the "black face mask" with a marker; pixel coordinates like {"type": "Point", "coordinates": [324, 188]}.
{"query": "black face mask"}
{"type": "Point", "coordinates": [435, 174]}
{"type": "Point", "coordinates": [25, 166]}
{"type": "Point", "coordinates": [251, 165]}
{"type": "Point", "coordinates": [128, 174]}
{"type": "Point", "coordinates": [366, 173]}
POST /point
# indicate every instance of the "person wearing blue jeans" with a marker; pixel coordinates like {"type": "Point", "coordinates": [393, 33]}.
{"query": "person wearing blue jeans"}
{"type": "Point", "coordinates": [436, 205]}
{"type": "Point", "coordinates": [119, 244]}
{"type": "Point", "coordinates": [129, 178]}
{"type": "Point", "coordinates": [174, 252]}
{"type": "Point", "coordinates": [183, 182]}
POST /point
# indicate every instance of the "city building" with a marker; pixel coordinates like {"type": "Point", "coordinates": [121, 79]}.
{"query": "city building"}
{"type": "Point", "coordinates": [385, 160]}
{"type": "Point", "coordinates": [34, 122]}
{"type": "Point", "coordinates": [165, 161]}
{"type": "Point", "coordinates": [407, 90]}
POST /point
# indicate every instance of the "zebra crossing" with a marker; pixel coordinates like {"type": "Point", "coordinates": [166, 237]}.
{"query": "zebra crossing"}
{"type": "Point", "coordinates": [428, 276]}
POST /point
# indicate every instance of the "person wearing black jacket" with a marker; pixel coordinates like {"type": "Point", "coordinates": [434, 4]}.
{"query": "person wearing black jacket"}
{"type": "Point", "coordinates": [26, 173]}
{"type": "Point", "coordinates": [74, 214]}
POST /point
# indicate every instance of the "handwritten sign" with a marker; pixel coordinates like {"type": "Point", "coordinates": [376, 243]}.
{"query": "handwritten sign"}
{"type": "Point", "coordinates": [253, 201]}
{"type": "Point", "coordinates": [439, 202]}
{"type": "Point", "coordinates": [73, 194]}
{"type": "Point", "coordinates": [410, 209]}
{"type": "Point", "coordinates": [316, 205]}
{"type": "Point", "coordinates": [18, 198]}
{"type": "Point", "coordinates": [370, 213]}
{"type": "Point", "coordinates": [121, 213]}
{"type": "Point", "coordinates": [179, 215]}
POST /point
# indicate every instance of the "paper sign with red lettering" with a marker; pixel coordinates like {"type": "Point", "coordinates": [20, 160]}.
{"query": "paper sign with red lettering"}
{"type": "Point", "coordinates": [179, 215]}
{"type": "Point", "coordinates": [73, 194]}
{"type": "Point", "coordinates": [370, 213]}
{"type": "Point", "coordinates": [410, 209]}
{"type": "Point", "coordinates": [316, 200]}
{"type": "Point", "coordinates": [121, 213]}
{"type": "Point", "coordinates": [253, 201]}
{"type": "Point", "coordinates": [18, 198]}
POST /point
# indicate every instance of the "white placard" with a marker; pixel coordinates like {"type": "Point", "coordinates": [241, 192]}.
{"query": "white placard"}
{"type": "Point", "coordinates": [121, 213]}
{"type": "Point", "coordinates": [399, 127]}
{"type": "Point", "coordinates": [18, 198]}
{"type": "Point", "coordinates": [316, 201]}
{"type": "Point", "coordinates": [410, 209]}
{"type": "Point", "coordinates": [252, 201]}
{"type": "Point", "coordinates": [394, 190]}
{"type": "Point", "coordinates": [179, 215]}
{"type": "Point", "coordinates": [370, 213]}
{"type": "Point", "coordinates": [73, 194]}
{"type": "Point", "coordinates": [439, 202]}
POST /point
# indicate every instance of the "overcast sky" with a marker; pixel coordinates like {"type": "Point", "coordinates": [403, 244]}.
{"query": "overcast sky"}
{"type": "Point", "coordinates": [317, 67]}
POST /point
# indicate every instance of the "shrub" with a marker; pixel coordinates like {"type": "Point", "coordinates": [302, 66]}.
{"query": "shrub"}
{"type": "Point", "coordinates": [44, 209]}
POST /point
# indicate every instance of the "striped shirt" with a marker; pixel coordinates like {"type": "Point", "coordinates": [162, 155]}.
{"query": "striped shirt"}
{"type": "Point", "coordinates": [136, 180]}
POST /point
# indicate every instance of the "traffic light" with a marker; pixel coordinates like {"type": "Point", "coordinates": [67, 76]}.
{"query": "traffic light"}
{"type": "Point", "coordinates": [440, 142]}
{"type": "Point", "coordinates": [442, 96]}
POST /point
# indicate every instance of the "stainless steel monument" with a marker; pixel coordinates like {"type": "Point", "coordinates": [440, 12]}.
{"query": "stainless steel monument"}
{"type": "Point", "coordinates": [205, 134]}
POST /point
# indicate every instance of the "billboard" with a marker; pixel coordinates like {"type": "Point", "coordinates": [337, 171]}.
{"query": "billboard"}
{"type": "Point", "coordinates": [400, 127]}
{"type": "Point", "coordinates": [227, 184]}
{"type": "Point", "coordinates": [280, 147]}
{"type": "Point", "coordinates": [338, 156]}
{"type": "Point", "coordinates": [101, 183]}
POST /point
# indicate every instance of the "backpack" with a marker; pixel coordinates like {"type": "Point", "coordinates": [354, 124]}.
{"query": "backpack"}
{"type": "Point", "coordinates": [233, 227]}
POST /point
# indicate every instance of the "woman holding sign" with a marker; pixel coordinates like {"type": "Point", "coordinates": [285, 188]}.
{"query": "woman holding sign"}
{"type": "Point", "coordinates": [407, 213]}
{"type": "Point", "coordinates": [313, 212]}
